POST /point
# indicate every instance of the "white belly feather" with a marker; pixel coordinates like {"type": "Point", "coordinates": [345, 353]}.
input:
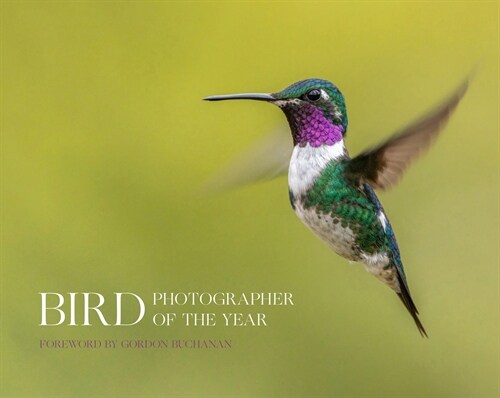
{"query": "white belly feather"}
{"type": "Point", "coordinates": [340, 239]}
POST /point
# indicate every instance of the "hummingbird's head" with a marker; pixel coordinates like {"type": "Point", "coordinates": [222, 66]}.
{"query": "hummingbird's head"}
{"type": "Point", "coordinates": [315, 110]}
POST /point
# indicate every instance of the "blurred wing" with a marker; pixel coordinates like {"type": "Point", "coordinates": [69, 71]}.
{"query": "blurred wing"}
{"type": "Point", "coordinates": [268, 159]}
{"type": "Point", "coordinates": [383, 166]}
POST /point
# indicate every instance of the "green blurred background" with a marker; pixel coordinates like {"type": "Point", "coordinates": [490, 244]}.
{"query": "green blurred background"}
{"type": "Point", "coordinates": [105, 143]}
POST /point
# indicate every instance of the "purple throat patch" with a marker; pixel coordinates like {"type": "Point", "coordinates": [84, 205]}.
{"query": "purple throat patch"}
{"type": "Point", "coordinates": [314, 128]}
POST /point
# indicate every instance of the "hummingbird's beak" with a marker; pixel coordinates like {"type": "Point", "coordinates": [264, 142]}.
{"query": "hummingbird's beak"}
{"type": "Point", "coordinates": [252, 96]}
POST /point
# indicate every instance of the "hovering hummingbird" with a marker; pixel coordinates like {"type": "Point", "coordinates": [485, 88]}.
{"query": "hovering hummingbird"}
{"type": "Point", "coordinates": [332, 193]}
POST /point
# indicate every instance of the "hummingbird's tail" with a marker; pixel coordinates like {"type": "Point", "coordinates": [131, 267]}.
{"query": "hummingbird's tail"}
{"type": "Point", "coordinates": [406, 299]}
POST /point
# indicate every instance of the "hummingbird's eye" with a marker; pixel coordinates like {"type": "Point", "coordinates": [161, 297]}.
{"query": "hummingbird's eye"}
{"type": "Point", "coordinates": [313, 95]}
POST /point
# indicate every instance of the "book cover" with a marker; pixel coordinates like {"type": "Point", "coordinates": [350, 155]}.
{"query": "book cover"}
{"type": "Point", "coordinates": [141, 259]}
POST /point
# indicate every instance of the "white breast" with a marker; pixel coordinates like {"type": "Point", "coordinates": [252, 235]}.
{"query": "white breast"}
{"type": "Point", "coordinates": [308, 162]}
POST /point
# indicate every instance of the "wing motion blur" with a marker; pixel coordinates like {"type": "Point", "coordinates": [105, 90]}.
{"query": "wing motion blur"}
{"type": "Point", "coordinates": [266, 160]}
{"type": "Point", "coordinates": [383, 165]}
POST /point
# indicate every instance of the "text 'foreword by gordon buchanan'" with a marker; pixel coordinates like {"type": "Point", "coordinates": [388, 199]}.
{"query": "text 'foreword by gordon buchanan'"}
{"type": "Point", "coordinates": [198, 309]}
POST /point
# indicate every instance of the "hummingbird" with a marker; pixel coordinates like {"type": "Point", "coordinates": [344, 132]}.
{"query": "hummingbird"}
{"type": "Point", "coordinates": [334, 194]}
